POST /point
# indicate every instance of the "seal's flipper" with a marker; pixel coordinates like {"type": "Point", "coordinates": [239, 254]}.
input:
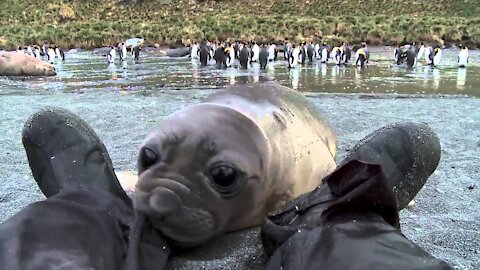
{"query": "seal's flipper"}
{"type": "Point", "coordinates": [63, 151]}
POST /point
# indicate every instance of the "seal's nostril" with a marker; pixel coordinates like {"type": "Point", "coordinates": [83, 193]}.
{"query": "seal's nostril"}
{"type": "Point", "coordinates": [148, 157]}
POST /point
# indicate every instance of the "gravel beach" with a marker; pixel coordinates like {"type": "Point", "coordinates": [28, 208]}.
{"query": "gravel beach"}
{"type": "Point", "coordinates": [445, 219]}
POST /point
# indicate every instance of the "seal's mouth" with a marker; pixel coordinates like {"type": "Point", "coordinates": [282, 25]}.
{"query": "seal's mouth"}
{"type": "Point", "coordinates": [172, 209]}
{"type": "Point", "coordinates": [186, 234]}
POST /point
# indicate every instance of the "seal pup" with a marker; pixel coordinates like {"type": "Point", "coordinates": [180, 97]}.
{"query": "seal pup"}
{"type": "Point", "coordinates": [222, 165]}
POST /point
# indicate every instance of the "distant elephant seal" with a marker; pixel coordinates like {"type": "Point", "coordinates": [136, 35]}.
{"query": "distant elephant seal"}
{"type": "Point", "coordinates": [179, 52]}
{"type": "Point", "coordinates": [222, 165]}
{"type": "Point", "coordinates": [19, 64]}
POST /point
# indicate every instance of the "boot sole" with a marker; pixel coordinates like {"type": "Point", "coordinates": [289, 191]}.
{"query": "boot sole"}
{"type": "Point", "coordinates": [78, 125]}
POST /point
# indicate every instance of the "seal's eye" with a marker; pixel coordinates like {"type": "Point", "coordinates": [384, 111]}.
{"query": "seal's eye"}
{"type": "Point", "coordinates": [148, 157]}
{"type": "Point", "coordinates": [223, 175]}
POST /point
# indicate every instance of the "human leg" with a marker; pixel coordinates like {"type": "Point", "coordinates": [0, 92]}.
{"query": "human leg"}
{"type": "Point", "coordinates": [87, 220]}
{"type": "Point", "coordinates": [74, 229]}
{"type": "Point", "coordinates": [351, 221]}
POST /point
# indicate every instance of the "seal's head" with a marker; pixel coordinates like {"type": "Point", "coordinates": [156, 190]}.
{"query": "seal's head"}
{"type": "Point", "coordinates": [201, 174]}
{"type": "Point", "coordinates": [37, 67]}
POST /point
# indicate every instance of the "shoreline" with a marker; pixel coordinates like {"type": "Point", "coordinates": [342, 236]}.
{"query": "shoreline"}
{"type": "Point", "coordinates": [163, 47]}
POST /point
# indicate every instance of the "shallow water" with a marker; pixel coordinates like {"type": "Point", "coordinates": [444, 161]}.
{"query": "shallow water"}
{"type": "Point", "coordinates": [85, 72]}
{"type": "Point", "coordinates": [124, 105]}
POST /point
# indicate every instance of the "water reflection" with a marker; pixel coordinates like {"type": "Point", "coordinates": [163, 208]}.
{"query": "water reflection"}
{"type": "Point", "coordinates": [357, 79]}
{"type": "Point", "coordinates": [461, 78]}
{"type": "Point", "coordinates": [335, 72]}
{"type": "Point", "coordinates": [86, 72]}
{"type": "Point", "coordinates": [426, 71]}
{"type": "Point", "coordinates": [323, 68]}
{"type": "Point", "coordinates": [112, 69]}
{"type": "Point", "coordinates": [294, 77]}
{"type": "Point", "coordinates": [436, 78]}
{"type": "Point", "coordinates": [271, 71]}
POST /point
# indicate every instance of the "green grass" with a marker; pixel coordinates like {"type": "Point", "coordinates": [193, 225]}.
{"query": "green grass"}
{"type": "Point", "coordinates": [93, 23]}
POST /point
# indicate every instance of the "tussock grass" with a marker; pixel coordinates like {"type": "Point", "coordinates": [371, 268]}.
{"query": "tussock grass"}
{"type": "Point", "coordinates": [94, 23]}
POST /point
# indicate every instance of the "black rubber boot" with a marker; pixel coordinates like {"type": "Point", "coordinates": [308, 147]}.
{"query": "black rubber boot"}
{"type": "Point", "coordinates": [63, 151]}
{"type": "Point", "coordinates": [379, 176]}
{"type": "Point", "coordinates": [408, 153]}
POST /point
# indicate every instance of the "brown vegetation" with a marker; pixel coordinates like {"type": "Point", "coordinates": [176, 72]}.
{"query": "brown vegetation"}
{"type": "Point", "coordinates": [93, 23]}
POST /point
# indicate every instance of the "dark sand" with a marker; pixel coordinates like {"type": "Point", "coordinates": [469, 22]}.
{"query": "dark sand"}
{"type": "Point", "coordinates": [445, 220]}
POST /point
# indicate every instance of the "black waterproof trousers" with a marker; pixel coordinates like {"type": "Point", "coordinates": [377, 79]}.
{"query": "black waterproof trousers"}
{"type": "Point", "coordinates": [80, 229]}
{"type": "Point", "coordinates": [350, 222]}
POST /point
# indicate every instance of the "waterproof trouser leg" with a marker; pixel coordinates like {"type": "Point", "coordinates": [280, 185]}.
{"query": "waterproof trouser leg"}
{"type": "Point", "coordinates": [80, 229]}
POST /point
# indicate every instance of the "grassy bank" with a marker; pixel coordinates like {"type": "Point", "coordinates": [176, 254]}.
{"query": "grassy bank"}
{"type": "Point", "coordinates": [92, 23]}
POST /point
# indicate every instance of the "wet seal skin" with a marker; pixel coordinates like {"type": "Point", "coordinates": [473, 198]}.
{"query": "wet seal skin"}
{"type": "Point", "coordinates": [19, 64]}
{"type": "Point", "coordinates": [223, 164]}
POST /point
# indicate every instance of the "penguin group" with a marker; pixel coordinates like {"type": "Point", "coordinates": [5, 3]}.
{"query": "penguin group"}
{"type": "Point", "coordinates": [411, 54]}
{"type": "Point", "coordinates": [225, 52]}
{"type": "Point", "coordinates": [121, 50]}
{"type": "Point", "coordinates": [339, 55]}
{"type": "Point", "coordinates": [45, 52]}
